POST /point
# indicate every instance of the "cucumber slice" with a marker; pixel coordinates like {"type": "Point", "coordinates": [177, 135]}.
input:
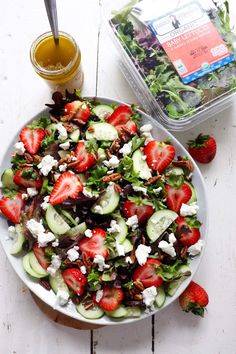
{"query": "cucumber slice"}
{"type": "Point", "coordinates": [79, 229]}
{"type": "Point", "coordinates": [7, 179]}
{"type": "Point", "coordinates": [140, 165]}
{"type": "Point", "coordinates": [62, 153]}
{"type": "Point", "coordinates": [159, 222]}
{"type": "Point", "coordinates": [17, 243]}
{"type": "Point", "coordinates": [52, 127]}
{"type": "Point", "coordinates": [128, 246]}
{"type": "Point", "coordinates": [69, 217]}
{"type": "Point", "coordinates": [121, 235]}
{"type": "Point", "coordinates": [184, 270]}
{"type": "Point", "coordinates": [174, 285]}
{"type": "Point", "coordinates": [161, 297]}
{"type": "Point", "coordinates": [107, 202]}
{"type": "Point", "coordinates": [120, 312]}
{"type": "Point", "coordinates": [92, 313]}
{"type": "Point", "coordinates": [74, 136]}
{"type": "Point", "coordinates": [55, 222]}
{"type": "Point", "coordinates": [82, 177]}
{"type": "Point", "coordinates": [107, 276]}
{"type": "Point", "coordinates": [101, 155]}
{"type": "Point", "coordinates": [193, 198]}
{"type": "Point", "coordinates": [57, 283]}
{"type": "Point", "coordinates": [36, 266]}
{"type": "Point", "coordinates": [177, 171]}
{"type": "Point", "coordinates": [133, 311]}
{"type": "Point", "coordinates": [101, 110]}
{"type": "Point", "coordinates": [27, 267]}
{"type": "Point", "coordinates": [102, 131]}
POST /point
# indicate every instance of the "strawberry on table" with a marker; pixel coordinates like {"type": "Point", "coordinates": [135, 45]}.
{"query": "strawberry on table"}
{"type": "Point", "coordinates": [121, 120]}
{"type": "Point", "coordinates": [203, 148]}
{"type": "Point", "coordinates": [176, 196]}
{"type": "Point", "coordinates": [75, 279]}
{"type": "Point", "coordinates": [194, 299]}
{"type": "Point", "coordinates": [27, 177]}
{"type": "Point", "coordinates": [68, 185]}
{"type": "Point", "coordinates": [39, 253]}
{"type": "Point", "coordinates": [11, 208]}
{"type": "Point", "coordinates": [86, 159]}
{"type": "Point", "coordinates": [148, 274]}
{"type": "Point", "coordinates": [187, 235]}
{"type": "Point", "coordinates": [111, 298]}
{"type": "Point", "coordinates": [140, 207]}
{"type": "Point", "coordinates": [159, 155]}
{"type": "Point", "coordinates": [78, 110]}
{"type": "Point", "coordinates": [32, 138]}
{"type": "Point", "coordinates": [95, 244]}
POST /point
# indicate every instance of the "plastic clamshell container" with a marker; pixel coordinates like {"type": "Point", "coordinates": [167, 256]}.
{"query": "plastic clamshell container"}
{"type": "Point", "coordinates": [156, 81]}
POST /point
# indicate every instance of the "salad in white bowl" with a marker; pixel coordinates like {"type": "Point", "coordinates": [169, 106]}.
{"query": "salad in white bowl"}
{"type": "Point", "coordinates": [102, 209]}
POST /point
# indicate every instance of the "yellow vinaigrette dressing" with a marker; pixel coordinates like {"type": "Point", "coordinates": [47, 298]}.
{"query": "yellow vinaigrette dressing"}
{"type": "Point", "coordinates": [58, 63]}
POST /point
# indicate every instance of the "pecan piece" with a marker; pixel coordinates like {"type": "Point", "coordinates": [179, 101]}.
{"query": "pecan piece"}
{"type": "Point", "coordinates": [111, 178]}
{"type": "Point", "coordinates": [118, 188]}
{"type": "Point", "coordinates": [183, 251]}
{"type": "Point", "coordinates": [91, 129]}
{"type": "Point", "coordinates": [115, 146]}
{"type": "Point", "coordinates": [152, 180]}
{"type": "Point", "coordinates": [139, 285]}
{"type": "Point", "coordinates": [138, 296]}
{"type": "Point", "coordinates": [89, 305]}
{"type": "Point", "coordinates": [28, 157]}
{"type": "Point", "coordinates": [45, 284]}
{"type": "Point", "coordinates": [184, 163]}
{"type": "Point", "coordinates": [68, 128]}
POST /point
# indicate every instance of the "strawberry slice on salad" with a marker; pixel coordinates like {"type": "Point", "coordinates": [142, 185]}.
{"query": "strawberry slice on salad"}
{"type": "Point", "coordinates": [67, 185]}
{"type": "Point", "coordinates": [111, 298]}
{"type": "Point", "coordinates": [39, 253]}
{"type": "Point", "coordinates": [32, 138]}
{"type": "Point", "coordinates": [139, 207]}
{"type": "Point", "coordinates": [148, 274]}
{"type": "Point", "coordinates": [159, 155]}
{"type": "Point", "coordinates": [95, 244]}
{"type": "Point", "coordinates": [75, 279]}
{"type": "Point", "coordinates": [86, 159]}
{"type": "Point", "coordinates": [121, 120]}
{"type": "Point", "coordinates": [187, 234]}
{"type": "Point", "coordinates": [176, 196]}
{"type": "Point", "coordinates": [28, 178]}
{"type": "Point", "coordinates": [78, 110]}
{"type": "Point", "coordinates": [11, 208]}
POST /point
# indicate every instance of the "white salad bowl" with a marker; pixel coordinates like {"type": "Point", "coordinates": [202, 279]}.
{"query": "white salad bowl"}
{"type": "Point", "coordinates": [49, 297]}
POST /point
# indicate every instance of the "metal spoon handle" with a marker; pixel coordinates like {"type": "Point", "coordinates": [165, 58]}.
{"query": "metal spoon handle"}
{"type": "Point", "coordinates": [51, 8]}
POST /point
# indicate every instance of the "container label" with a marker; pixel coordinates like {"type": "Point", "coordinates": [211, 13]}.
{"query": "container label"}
{"type": "Point", "coordinates": [191, 41]}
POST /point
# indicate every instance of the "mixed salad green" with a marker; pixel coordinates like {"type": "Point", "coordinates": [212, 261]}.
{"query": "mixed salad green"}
{"type": "Point", "coordinates": [102, 214]}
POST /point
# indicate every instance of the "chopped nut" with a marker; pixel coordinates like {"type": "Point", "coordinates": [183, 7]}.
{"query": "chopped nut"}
{"type": "Point", "coordinates": [54, 119]}
{"type": "Point", "coordinates": [115, 146]}
{"type": "Point", "coordinates": [45, 284]}
{"type": "Point", "coordinates": [91, 129]}
{"type": "Point", "coordinates": [138, 296]}
{"type": "Point", "coordinates": [68, 128]}
{"type": "Point", "coordinates": [108, 153]}
{"type": "Point", "coordinates": [184, 163]}
{"type": "Point", "coordinates": [139, 285]}
{"type": "Point", "coordinates": [152, 180]}
{"type": "Point", "coordinates": [118, 188]}
{"type": "Point", "coordinates": [28, 157]}
{"type": "Point", "coordinates": [89, 305]}
{"type": "Point", "coordinates": [37, 158]}
{"type": "Point", "coordinates": [183, 251]}
{"type": "Point", "coordinates": [67, 117]}
{"type": "Point", "coordinates": [111, 178]}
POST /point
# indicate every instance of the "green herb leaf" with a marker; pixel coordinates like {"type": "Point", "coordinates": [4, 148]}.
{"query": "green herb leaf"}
{"type": "Point", "coordinates": [137, 142]}
{"type": "Point", "coordinates": [9, 193]}
{"type": "Point", "coordinates": [42, 122]}
{"type": "Point", "coordinates": [29, 173]}
{"type": "Point", "coordinates": [93, 280]}
{"type": "Point", "coordinates": [128, 285]}
{"type": "Point", "coordinates": [17, 162]}
{"type": "Point", "coordinates": [96, 175]}
{"type": "Point", "coordinates": [48, 141]}
{"type": "Point", "coordinates": [175, 180]}
{"type": "Point", "coordinates": [126, 169]}
{"type": "Point", "coordinates": [193, 222]}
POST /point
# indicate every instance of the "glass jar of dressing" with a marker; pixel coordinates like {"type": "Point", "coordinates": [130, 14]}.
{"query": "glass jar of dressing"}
{"type": "Point", "coordinates": [58, 63]}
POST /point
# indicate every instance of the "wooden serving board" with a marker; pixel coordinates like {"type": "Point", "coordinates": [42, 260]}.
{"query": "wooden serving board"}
{"type": "Point", "coordinates": [60, 318]}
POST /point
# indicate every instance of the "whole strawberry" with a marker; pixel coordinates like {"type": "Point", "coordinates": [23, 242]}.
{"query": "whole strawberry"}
{"type": "Point", "coordinates": [203, 148]}
{"type": "Point", "coordinates": [194, 299]}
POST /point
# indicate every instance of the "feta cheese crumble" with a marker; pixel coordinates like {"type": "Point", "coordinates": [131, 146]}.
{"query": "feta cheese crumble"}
{"type": "Point", "coordinates": [100, 261]}
{"type": "Point", "coordinates": [189, 210]}
{"type": "Point", "coordinates": [88, 233]}
{"type": "Point", "coordinates": [126, 149]}
{"type": "Point", "coordinates": [83, 269]}
{"type": "Point", "coordinates": [46, 164]}
{"type": "Point", "coordinates": [44, 238]}
{"type": "Point", "coordinates": [12, 232]}
{"type": "Point", "coordinates": [32, 192]}
{"type": "Point", "coordinates": [157, 190]}
{"type": "Point", "coordinates": [145, 174]}
{"type": "Point", "coordinates": [146, 128]}
{"type": "Point", "coordinates": [97, 209]}
{"type": "Point", "coordinates": [167, 248]}
{"type": "Point", "coordinates": [196, 249]}
{"type": "Point", "coordinates": [132, 222]}
{"type": "Point", "coordinates": [113, 162]}
{"type": "Point", "coordinates": [19, 148]}
{"type": "Point", "coordinates": [99, 295]}
{"type": "Point", "coordinates": [114, 227]}
{"type": "Point", "coordinates": [55, 265]}
{"type": "Point", "coordinates": [149, 295]}
{"type": "Point", "coordinates": [62, 167]}
{"type": "Point", "coordinates": [172, 238]}
{"type": "Point", "coordinates": [62, 131]}
{"type": "Point", "coordinates": [55, 243]}
{"type": "Point", "coordinates": [142, 253]}
{"type": "Point", "coordinates": [62, 298]}
{"type": "Point", "coordinates": [24, 196]}
{"type": "Point", "coordinates": [45, 204]}
{"type": "Point", "coordinates": [139, 189]}
{"type": "Point", "coordinates": [73, 253]}
{"type": "Point", "coordinates": [37, 230]}
{"type": "Point", "coordinates": [65, 146]}
{"type": "Point", "coordinates": [87, 193]}
{"type": "Point", "coordinates": [128, 260]}
{"type": "Point", "coordinates": [120, 249]}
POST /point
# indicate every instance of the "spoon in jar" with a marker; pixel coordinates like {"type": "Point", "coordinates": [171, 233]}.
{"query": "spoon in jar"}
{"type": "Point", "coordinates": [51, 8]}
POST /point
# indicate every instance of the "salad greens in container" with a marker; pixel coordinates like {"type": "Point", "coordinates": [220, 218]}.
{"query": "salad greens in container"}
{"type": "Point", "coordinates": [178, 57]}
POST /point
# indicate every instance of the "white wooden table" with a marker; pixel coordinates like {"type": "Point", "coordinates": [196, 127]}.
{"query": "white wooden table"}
{"type": "Point", "coordinates": [23, 328]}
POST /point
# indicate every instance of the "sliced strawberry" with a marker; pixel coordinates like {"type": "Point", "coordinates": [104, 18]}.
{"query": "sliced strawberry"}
{"type": "Point", "coordinates": [32, 138]}
{"type": "Point", "coordinates": [39, 253]}
{"type": "Point", "coordinates": [75, 279]}
{"type": "Point", "coordinates": [78, 110]}
{"type": "Point", "coordinates": [176, 196]}
{"type": "Point", "coordinates": [11, 208]}
{"type": "Point", "coordinates": [67, 185]}
{"type": "Point", "coordinates": [28, 178]}
{"type": "Point", "coordinates": [187, 235]}
{"type": "Point", "coordinates": [86, 159]}
{"type": "Point", "coordinates": [111, 298]}
{"type": "Point", "coordinates": [139, 208]}
{"type": "Point", "coordinates": [95, 245]}
{"type": "Point", "coordinates": [159, 155]}
{"type": "Point", "coordinates": [121, 120]}
{"type": "Point", "coordinates": [148, 274]}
